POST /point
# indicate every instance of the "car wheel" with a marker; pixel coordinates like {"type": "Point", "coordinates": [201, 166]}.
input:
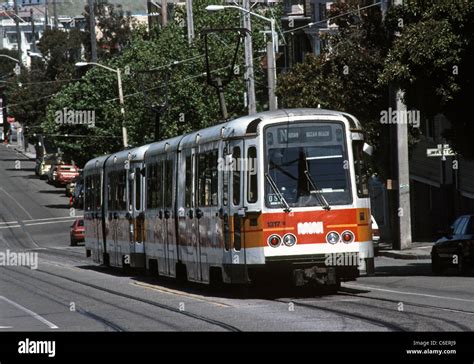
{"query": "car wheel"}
{"type": "Point", "coordinates": [436, 265]}
{"type": "Point", "coordinates": [73, 241]}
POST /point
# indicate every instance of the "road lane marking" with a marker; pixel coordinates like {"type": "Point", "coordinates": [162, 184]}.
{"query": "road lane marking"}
{"type": "Point", "coordinates": [408, 293]}
{"type": "Point", "coordinates": [53, 218]}
{"type": "Point", "coordinates": [38, 223]}
{"type": "Point", "coordinates": [49, 222]}
{"type": "Point", "coordinates": [10, 227]}
{"type": "Point", "coordinates": [6, 327]}
{"type": "Point", "coordinates": [14, 200]}
{"type": "Point", "coordinates": [179, 293]}
{"type": "Point", "coordinates": [31, 313]}
{"type": "Point", "coordinates": [8, 222]}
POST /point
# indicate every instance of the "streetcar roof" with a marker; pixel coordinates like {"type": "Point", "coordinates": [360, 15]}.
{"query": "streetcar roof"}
{"type": "Point", "coordinates": [236, 128]}
{"type": "Point", "coordinates": [239, 127]}
{"type": "Point", "coordinates": [95, 164]}
{"type": "Point", "coordinates": [133, 155]}
{"type": "Point", "coordinates": [163, 146]}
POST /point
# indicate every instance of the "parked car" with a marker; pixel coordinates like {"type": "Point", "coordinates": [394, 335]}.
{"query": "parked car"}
{"type": "Point", "coordinates": [53, 172]}
{"type": "Point", "coordinates": [44, 165]}
{"type": "Point", "coordinates": [77, 232]}
{"type": "Point", "coordinates": [65, 173]}
{"type": "Point", "coordinates": [456, 247]}
{"type": "Point", "coordinates": [375, 234]}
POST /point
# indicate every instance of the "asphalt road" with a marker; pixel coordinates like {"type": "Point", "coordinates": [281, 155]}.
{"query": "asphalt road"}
{"type": "Point", "coordinates": [67, 292]}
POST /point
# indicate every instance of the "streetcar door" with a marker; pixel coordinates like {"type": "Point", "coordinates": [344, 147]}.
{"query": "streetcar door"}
{"type": "Point", "coordinates": [136, 216]}
{"type": "Point", "coordinates": [189, 228]}
{"type": "Point", "coordinates": [233, 207]}
{"type": "Point", "coordinates": [167, 216]}
{"type": "Point", "coordinates": [160, 238]}
{"type": "Point", "coordinates": [207, 207]}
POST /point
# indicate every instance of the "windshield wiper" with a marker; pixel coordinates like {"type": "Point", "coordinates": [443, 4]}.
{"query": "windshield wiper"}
{"type": "Point", "coordinates": [277, 191]}
{"type": "Point", "coordinates": [319, 194]}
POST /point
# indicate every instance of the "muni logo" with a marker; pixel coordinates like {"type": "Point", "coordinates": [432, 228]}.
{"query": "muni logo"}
{"type": "Point", "coordinates": [306, 228]}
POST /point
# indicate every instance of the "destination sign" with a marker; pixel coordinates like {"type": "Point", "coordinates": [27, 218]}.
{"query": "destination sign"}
{"type": "Point", "coordinates": [305, 134]}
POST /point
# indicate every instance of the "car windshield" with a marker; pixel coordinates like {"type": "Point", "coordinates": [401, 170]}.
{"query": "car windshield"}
{"type": "Point", "coordinates": [307, 161]}
{"type": "Point", "coordinates": [81, 223]}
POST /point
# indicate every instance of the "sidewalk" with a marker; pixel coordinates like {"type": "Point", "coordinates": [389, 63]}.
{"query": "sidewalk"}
{"type": "Point", "coordinates": [30, 152]}
{"type": "Point", "coordinates": [419, 250]}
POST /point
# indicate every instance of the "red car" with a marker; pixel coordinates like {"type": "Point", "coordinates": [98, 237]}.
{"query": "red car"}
{"type": "Point", "coordinates": [65, 174]}
{"type": "Point", "coordinates": [77, 232]}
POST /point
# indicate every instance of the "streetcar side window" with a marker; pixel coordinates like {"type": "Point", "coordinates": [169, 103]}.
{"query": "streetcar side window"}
{"type": "Point", "coordinates": [168, 184]}
{"type": "Point", "coordinates": [111, 190]}
{"type": "Point", "coordinates": [150, 183]}
{"type": "Point", "coordinates": [87, 194]}
{"type": "Point", "coordinates": [252, 182]}
{"type": "Point", "coordinates": [236, 155]}
{"type": "Point", "coordinates": [159, 184]}
{"type": "Point", "coordinates": [189, 182]}
{"type": "Point", "coordinates": [138, 189]}
{"type": "Point", "coordinates": [207, 179]}
{"type": "Point", "coordinates": [360, 168]}
{"type": "Point", "coordinates": [122, 191]}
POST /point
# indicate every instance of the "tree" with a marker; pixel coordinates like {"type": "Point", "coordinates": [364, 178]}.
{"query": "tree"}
{"type": "Point", "coordinates": [192, 103]}
{"type": "Point", "coordinates": [28, 93]}
{"type": "Point", "coordinates": [114, 28]}
{"type": "Point", "coordinates": [432, 61]}
{"type": "Point", "coordinates": [345, 76]}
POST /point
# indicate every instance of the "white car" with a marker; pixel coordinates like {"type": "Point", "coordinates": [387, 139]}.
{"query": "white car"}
{"type": "Point", "coordinates": [375, 233]}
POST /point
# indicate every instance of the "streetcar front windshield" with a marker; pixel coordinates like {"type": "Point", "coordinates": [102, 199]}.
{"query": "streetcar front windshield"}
{"type": "Point", "coordinates": [307, 164]}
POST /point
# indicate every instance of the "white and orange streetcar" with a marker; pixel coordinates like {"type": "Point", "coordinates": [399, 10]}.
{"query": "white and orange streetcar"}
{"type": "Point", "coordinates": [276, 194]}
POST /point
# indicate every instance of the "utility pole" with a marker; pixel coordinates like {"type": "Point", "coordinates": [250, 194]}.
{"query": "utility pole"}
{"type": "Point", "coordinates": [18, 33]}
{"type": "Point", "coordinates": [164, 12]}
{"type": "Point", "coordinates": [55, 12]}
{"type": "Point", "coordinates": [399, 145]}
{"type": "Point", "coordinates": [190, 21]}
{"type": "Point", "coordinates": [271, 77]}
{"type": "Point", "coordinates": [122, 108]}
{"type": "Point", "coordinates": [33, 32]}
{"type": "Point", "coordinates": [46, 20]}
{"type": "Point", "coordinates": [92, 30]}
{"type": "Point", "coordinates": [249, 76]}
{"type": "Point", "coordinates": [404, 212]}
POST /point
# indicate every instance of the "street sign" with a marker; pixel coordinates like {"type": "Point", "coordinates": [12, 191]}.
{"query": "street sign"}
{"type": "Point", "coordinates": [442, 150]}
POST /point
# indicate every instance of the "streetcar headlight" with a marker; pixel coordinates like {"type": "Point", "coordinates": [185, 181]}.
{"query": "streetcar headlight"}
{"type": "Point", "coordinates": [274, 241]}
{"type": "Point", "coordinates": [289, 240]}
{"type": "Point", "coordinates": [347, 237]}
{"type": "Point", "coordinates": [332, 237]}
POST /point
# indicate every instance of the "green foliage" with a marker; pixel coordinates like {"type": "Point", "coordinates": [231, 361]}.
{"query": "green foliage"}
{"type": "Point", "coordinates": [192, 103]}
{"type": "Point", "coordinates": [345, 77]}
{"type": "Point", "coordinates": [432, 60]}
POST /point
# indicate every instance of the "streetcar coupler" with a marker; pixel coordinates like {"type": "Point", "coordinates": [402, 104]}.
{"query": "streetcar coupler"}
{"type": "Point", "coordinates": [316, 275]}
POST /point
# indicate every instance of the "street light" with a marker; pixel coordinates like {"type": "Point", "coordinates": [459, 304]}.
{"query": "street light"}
{"type": "Point", "coordinates": [120, 89]}
{"type": "Point", "coordinates": [10, 58]}
{"type": "Point", "coordinates": [271, 50]}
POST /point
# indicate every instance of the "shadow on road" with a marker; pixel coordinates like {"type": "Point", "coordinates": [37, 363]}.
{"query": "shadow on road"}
{"type": "Point", "coordinates": [55, 192]}
{"type": "Point", "coordinates": [266, 291]}
{"type": "Point", "coordinates": [58, 206]}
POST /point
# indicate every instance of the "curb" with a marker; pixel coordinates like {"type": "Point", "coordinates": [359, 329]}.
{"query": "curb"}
{"type": "Point", "coordinates": [402, 255]}
{"type": "Point", "coordinates": [29, 157]}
